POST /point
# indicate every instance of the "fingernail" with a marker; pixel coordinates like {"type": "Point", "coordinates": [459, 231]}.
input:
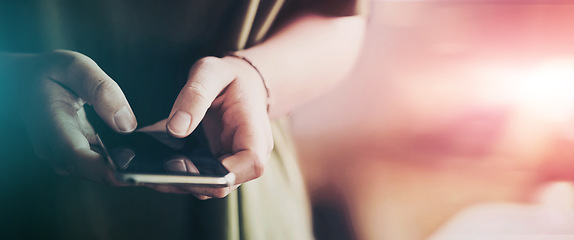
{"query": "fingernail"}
{"type": "Point", "coordinates": [122, 157]}
{"type": "Point", "coordinates": [175, 166]}
{"type": "Point", "coordinates": [125, 120]}
{"type": "Point", "coordinates": [179, 123]}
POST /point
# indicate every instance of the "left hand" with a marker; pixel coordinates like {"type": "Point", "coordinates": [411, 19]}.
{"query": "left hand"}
{"type": "Point", "coordinates": [229, 96]}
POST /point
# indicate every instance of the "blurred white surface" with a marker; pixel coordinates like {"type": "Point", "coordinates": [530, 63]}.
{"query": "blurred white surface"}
{"type": "Point", "coordinates": [550, 216]}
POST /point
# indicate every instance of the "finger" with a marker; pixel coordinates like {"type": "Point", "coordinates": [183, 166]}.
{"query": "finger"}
{"type": "Point", "coordinates": [71, 146]}
{"type": "Point", "coordinates": [87, 128]}
{"type": "Point", "coordinates": [251, 148]}
{"type": "Point", "coordinates": [180, 164]}
{"type": "Point", "coordinates": [36, 110]}
{"type": "Point", "coordinates": [201, 197]}
{"type": "Point", "coordinates": [67, 139]}
{"type": "Point", "coordinates": [69, 143]}
{"type": "Point", "coordinates": [164, 188]}
{"type": "Point", "coordinates": [85, 78]}
{"type": "Point", "coordinates": [176, 189]}
{"type": "Point", "coordinates": [208, 192]}
{"type": "Point", "coordinates": [61, 171]}
{"type": "Point", "coordinates": [208, 77]}
{"type": "Point", "coordinates": [246, 165]}
{"type": "Point", "coordinates": [212, 127]}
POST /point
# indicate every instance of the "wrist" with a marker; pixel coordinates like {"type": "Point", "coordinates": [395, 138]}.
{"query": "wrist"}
{"type": "Point", "coordinates": [246, 61]}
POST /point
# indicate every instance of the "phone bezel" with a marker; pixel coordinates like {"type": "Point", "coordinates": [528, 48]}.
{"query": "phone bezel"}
{"type": "Point", "coordinates": [146, 178]}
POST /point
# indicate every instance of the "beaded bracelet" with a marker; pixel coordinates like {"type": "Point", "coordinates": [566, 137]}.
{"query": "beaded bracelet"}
{"type": "Point", "coordinates": [236, 54]}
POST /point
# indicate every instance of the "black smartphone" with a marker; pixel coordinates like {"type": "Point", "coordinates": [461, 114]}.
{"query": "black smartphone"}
{"type": "Point", "coordinates": [156, 157]}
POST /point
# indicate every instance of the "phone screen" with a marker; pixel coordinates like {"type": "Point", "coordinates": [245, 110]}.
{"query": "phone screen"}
{"type": "Point", "coordinates": [156, 157]}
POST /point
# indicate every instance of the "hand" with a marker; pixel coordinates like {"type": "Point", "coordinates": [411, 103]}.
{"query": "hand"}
{"type": "Point", "coordinates": [53, 89]}
{"type": "Point", "coordinates": [229, 96]}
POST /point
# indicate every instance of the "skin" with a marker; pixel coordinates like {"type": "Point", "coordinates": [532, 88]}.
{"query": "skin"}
{"type": "Point", "coordinates": [228, 92]}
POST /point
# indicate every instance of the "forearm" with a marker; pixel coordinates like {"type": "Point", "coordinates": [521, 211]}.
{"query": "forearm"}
{"type": "Point", "coordinates": [307, 57]}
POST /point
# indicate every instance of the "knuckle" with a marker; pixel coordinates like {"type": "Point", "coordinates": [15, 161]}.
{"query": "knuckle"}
{"type": "Point", "coordinates": [70, 58]}
{"type": "Point", "coordinates": [67, 63]}
{"type": "Point", "coordinates": [212, 65]}
{"type": "Point", "coordinates": [198, 90]}
{"type": "Point", "coordinates": [257, 165]}
{"type": "Point", "coordinates": [208, 62]}
{"type": "Point", "coordinates": [103, 90]}
{"type": "Point", "coordinates": [197, 87]}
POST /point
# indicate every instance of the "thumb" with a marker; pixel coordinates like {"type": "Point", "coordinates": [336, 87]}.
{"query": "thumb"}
{"type": "Point", "coordinates": [86, 79]}
{"type": "Point", "coordinates": [207, 79]}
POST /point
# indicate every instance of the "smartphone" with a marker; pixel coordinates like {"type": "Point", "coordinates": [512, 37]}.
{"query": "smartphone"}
{"type": "Point", "coordinates": [156, 157]}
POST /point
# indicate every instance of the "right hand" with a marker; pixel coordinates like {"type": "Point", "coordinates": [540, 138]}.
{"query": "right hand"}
{"type": "Point", "coordinates": [53, 89]}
